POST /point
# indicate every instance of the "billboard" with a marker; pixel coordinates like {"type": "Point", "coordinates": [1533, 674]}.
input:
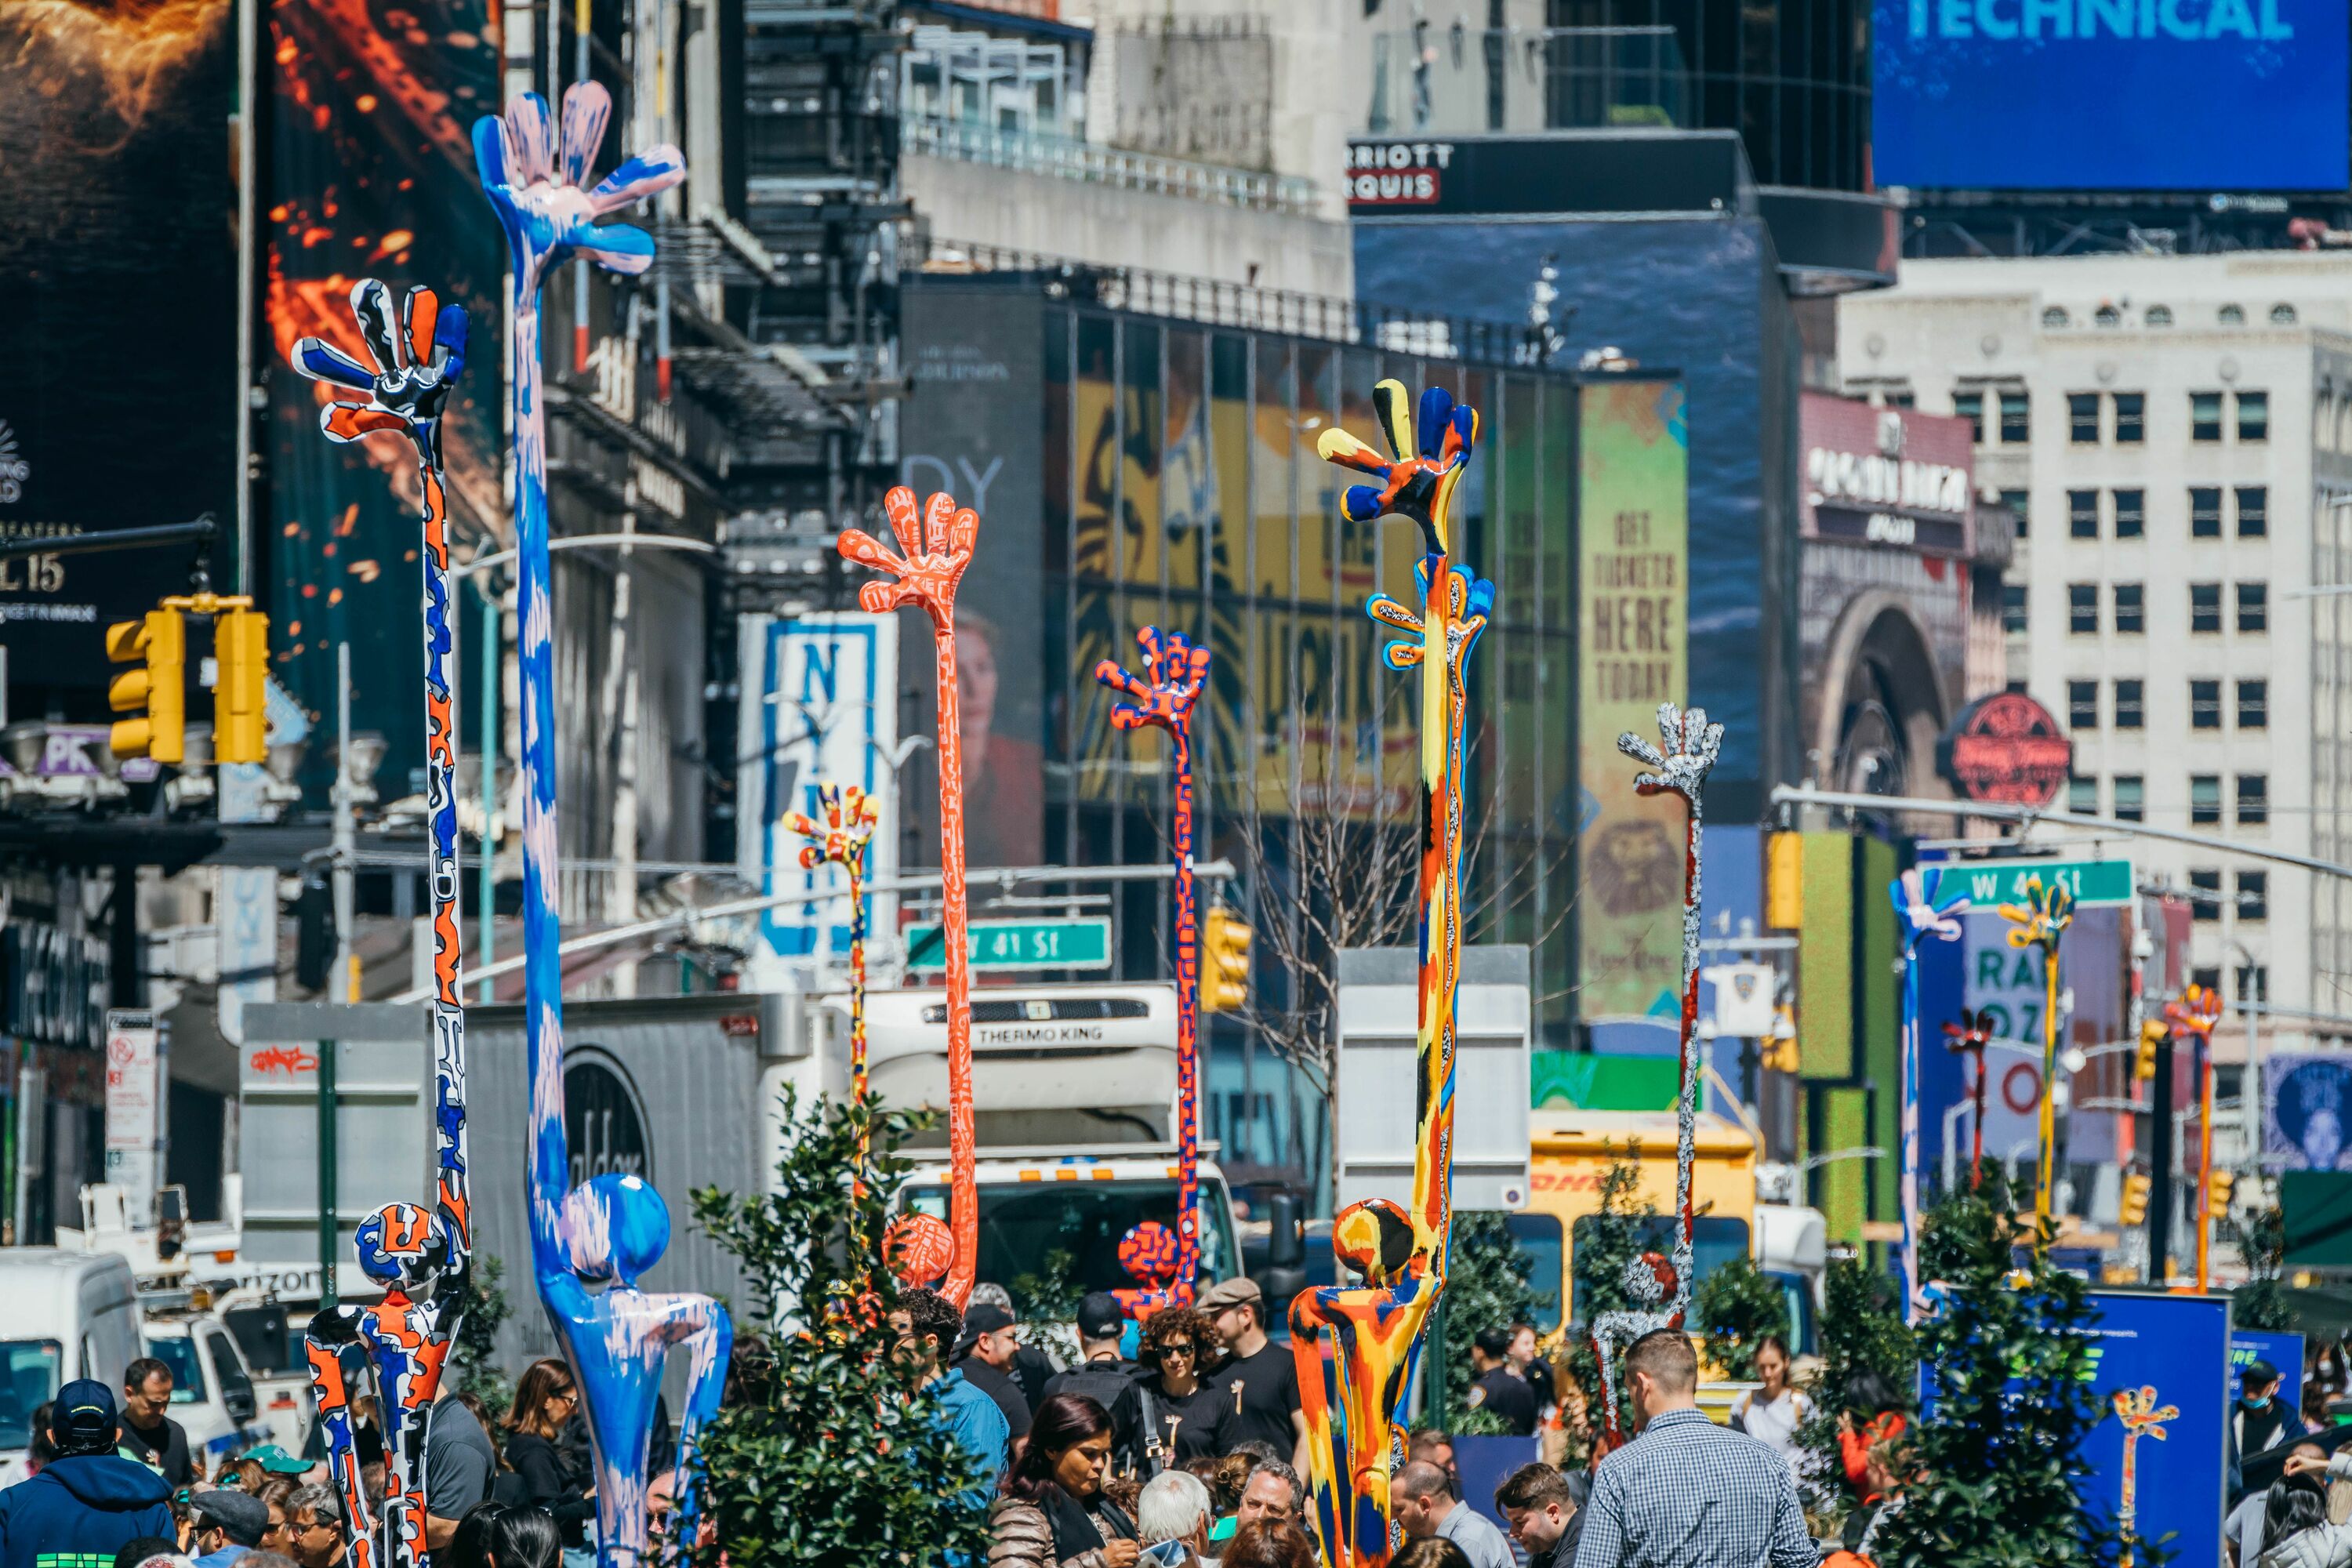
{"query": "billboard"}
{"type": "Point", "coordinates": [118, 263]}
{"type": "Point", "coordinates": [2129, 95]}
{"type": "Point", "coordinates": [1633, 558]}
{"type": "Point", "coordinates": [2166, 1353]}
{"type": "Point", "coordinates": [2304, 1100]}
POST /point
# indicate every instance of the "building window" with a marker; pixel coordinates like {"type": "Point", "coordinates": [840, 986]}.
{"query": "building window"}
{"type": "Point", "coordinates": [2231, 316]}
{"type": "Point", "coordinates": [2253, 510]}
{"type": "Point", "coordinates": [2323, 418]}
{"type": "Point", "coordinates": [2016, 500]}
{"type": "Point", "coordinates": [2082, 705]}
{"type": "Point", "coordinates": [2253, 606]}
{"type": "Point", "coordinates": [2204, 704]}
{"type": "Point", "coordinates": [2131, 513]}
{"type": "Point", "coordinates": [2254, 705]}
{"type": "Point", "coordinates": [2107, 316]}
{"type": "Point", "coordinates": [2083, 608]}
{"type": "Point", "coordinates": [2130, 701]}
{"type": "Point", "coordinates": [2016, 419]}
{"type": "Point", "coordinates": [2204, 415]}
{"type": "Point", "coordinates": [2204, 607]}
{"type": "Point", "coordinates": [2253, 895]}
{"type": "Point", "coordinates": [2253, 799]}
{"type": "Point", "coordinates": [2082, 418]}
{"type": "Point", "coordinates": [2282, 315]}
{"type": "Point", "coordinates": [2131, 417]}
{"type": "Point", "coordinates": [2131, 797]}
{"type": "Point", "coordinates": [1903, 399]}
{"type": "Point", "coordinates": [1969, 406]}
{"type": "Point", "coordinates": [2083, 796]}
{"type": "Point", "coordinates": [2083, 514]}
{"type": "Point", "coordinates": [2253, 416]}
{"type": "Point", "coordinates": [2131, 609]}
{"type": "Point", "coordinates": [2204, 799]}
{"type": "Point", "coordinates": [2204, 513]}
{"type": "Point", "coordinates": [2253, 983]}
{"type": "Point", "coordinates": [2013, 609]}
{"type": "Point", "coordinates": [2055, 316]}
{"type": "Point", "coordinates": [2208, 907]}
{"type": "Point", "coordinates": [2156, 316]}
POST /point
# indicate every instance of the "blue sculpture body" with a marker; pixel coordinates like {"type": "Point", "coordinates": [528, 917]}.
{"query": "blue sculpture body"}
{"type": "Point", "coordinates": [608, 1232]}
{"type": "Point", "coordinates": [1923, 914]}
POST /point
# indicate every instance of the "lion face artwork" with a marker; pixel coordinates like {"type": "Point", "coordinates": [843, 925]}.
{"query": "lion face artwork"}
{"type": "Point", "coordinates": [1636, 866]}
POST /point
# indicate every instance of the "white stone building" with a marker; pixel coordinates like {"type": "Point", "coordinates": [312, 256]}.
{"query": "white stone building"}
{"type": "Point", "coordinates": [2176, 434]}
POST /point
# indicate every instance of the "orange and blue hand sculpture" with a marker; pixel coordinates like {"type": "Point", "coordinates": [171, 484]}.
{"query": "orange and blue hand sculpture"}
{"type": "Point", "coordinates": [1176, 672]}
{"type": "Point", "coordinates": [934, 549]}
{"type": "Point", "coordinates": [1356, 1346]}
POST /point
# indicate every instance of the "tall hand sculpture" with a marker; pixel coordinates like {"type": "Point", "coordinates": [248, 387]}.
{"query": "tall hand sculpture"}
{"type": "Point", "coordinates": [2042, 922]}
{"type": "Point", "coordinates": [1923, 913]}
{"type": "Point", "coordinates": [1969, 1037]}
{"type": "Point", "coordinates": [2142, 1417]}
{"type": "Point", "coordinates": [1662, 1291]}
{"type": "Point", "coordinates": [842, 840]}
{"type": "Point", "coordinates": [1351, 1395]}
{"type": "Point", "coordinates": [1176, 673]}
{"type": "Point", "coordinates": [2193, 1014]}
{"type": "Point", "coordinates": [613, 1228]}
{"type": "Point", "coordinates": [937, 546]}
{"type": "Point", "coordinates": [422, 1259]}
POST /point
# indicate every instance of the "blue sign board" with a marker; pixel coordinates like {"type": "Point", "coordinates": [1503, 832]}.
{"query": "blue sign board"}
{"type": "Point", "coordinates": [2178, 1346]}
{"type": "Point", "coordinates": [2283, 1352]}
{"type": "Point", "coordinates": [2134, 95]}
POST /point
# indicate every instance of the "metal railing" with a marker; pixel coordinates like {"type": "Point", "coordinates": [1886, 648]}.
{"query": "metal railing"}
{"type": "Point", "coordinates": [1218, 302]}
{"type": "Point", "coordinates": [1066, 158]}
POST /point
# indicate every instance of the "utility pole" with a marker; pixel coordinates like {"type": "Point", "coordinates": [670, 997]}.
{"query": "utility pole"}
{"type": "Point", "coordinates": [2161, 1167]}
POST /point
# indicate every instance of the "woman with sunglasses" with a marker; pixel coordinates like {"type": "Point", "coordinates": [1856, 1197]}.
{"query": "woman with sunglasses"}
{"type": "Point", "coordinates": [544, 1474]}
{"type": "Point", "coordinates": [1180, 1410]}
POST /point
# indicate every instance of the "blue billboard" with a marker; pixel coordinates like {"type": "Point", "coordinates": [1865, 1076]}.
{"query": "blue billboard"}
{"type": "Point", "coordinates": [2161, 1367]}
{"type": "Point", "coordinates": [2125, 95]}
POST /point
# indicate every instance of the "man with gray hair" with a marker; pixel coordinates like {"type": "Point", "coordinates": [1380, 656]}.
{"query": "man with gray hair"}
{"type": "Point", "coordinates": [314, 1526]}
{"type": "Point", "coordinates": [1175, 1505]}
{"type": "Point", "coordinates": [1273, 1494]}
{"type": "Point", "coordinates": [1423, 1501]}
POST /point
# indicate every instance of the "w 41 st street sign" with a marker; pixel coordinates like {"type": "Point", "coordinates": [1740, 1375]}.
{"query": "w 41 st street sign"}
{"type": "Point", "coordinates": [1989, 884]}
{"type": "Point", "coordinates": [1018, 945]}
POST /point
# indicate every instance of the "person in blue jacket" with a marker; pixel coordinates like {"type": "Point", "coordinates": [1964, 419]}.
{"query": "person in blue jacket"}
{"type": "Point", "coordinates": [87, 1503]}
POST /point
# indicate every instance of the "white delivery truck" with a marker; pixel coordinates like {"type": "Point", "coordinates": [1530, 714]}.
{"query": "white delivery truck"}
{"type": "Point", "coordinates": [71, 1314]}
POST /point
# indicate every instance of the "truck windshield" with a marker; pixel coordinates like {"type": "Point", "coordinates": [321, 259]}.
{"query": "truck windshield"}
{"type": "Point", "coordinates": [1062, 1238]}
{"type": "Point", "coordinates": [1715, 1241]}
{"type": "Point", "coordinates": [28, 1380]}
{"type": "Point", "coordinates": [178, 1352]}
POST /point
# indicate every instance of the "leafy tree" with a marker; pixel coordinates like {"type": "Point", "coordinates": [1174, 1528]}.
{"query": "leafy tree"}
{"type": "Point", "coordinates": [1487, 1285]}
{"type": "Point", "coordinates": [475, 1355]}
{"type": "Point", "coordinates": [828, 1452]}
{"type": "Point", "coordinates": [1739, 1305]}
{"type": "Point", "coordinates": [1613, 1235]}
{"type": "Point", "coordinates": [2000, 1457]}
{"type": "Point", "coordinates": [1866, 1349]}
{"type": "Point", "coordinates": [2262, 1241]}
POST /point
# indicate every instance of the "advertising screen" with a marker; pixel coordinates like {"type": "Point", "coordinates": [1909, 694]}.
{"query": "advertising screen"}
{"type": "Point", "coordinates": [2138, 95]}
{"type": "Point", "coordinates": [2161, 1366]}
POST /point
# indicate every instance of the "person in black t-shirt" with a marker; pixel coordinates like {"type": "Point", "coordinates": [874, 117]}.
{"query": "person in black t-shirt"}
{"type": "Point", "coordinates": [1258, 1382]}
{"type": "Point", "coordinates": [1031, 1368]}
{"type": "Point", "coordinates": [1180, 1405]}
{"type": "Point", "coordinates": [149, 1436]}
{"type": "Point", "coordinates": [1528, 1361]}
{"type": "Point", "coordinates": [1498, 1388]}
{"type": "Point", "coordinates": [1102, 1378]}
{"type": "Point", "coordinates": [991, 1340]}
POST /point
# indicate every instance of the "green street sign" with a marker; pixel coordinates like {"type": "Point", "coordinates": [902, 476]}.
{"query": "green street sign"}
{"type": "Point", "coordinates": [1991, 883]}
{"type": "Point", "coordinates": [1017, 944]}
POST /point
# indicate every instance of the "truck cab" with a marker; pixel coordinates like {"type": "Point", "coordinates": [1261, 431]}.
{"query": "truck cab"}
{"type": "Point", "coordinates": [213, 1395]}
{"type": "Point", "coordinates": [71, 1314]}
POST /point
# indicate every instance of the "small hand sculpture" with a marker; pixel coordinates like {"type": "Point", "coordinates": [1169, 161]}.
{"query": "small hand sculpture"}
{"type": "Point", "coordinates": [1681, 766]}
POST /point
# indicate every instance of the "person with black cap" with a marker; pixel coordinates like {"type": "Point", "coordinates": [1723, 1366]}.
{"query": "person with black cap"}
{"type": "Point", "coordinates": [1103, 1377]}
{"type": "Point", "coordinates": [2260, 1420]}
{"type": "Point", "coordinates": [229, 1525]}
{"type": "Point", "coordinates": [88, 1501]}
{"type": "Point", "coordinates": [989, 1341]}
{"type": "Point", "coordinates": [1499, 1390]}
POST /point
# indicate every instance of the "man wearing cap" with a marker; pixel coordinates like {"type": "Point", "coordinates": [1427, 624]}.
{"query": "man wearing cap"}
{"type": "Point", "coordinates": [1102, 1378]}
{"type": "Point", "coordinates": [87, 1503]}
{"type": "Point", "coordinates": [2260, 1420]}
{"type": "Point", "coordinates": [1259, 1379]}
{"type": "Point", "coordinates": [229, 1525]}
{"type": "Point", "coordinates": [989, 1341]}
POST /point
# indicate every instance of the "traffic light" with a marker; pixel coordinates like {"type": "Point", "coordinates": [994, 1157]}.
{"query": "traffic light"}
{"type": "Point", "coordinates": [1225, 962]}
{"type": "Point", "coordinates": [1780, 1047]}
{"type": "Point", "coordinates": [2136, 1187]}
{"type": "Point", "coordinates": [1784, 882]}
{"type": "Point", "coordinates": [241, 669]}
{"type": "Point", "coordinates": [2216, 1193]}
{"type": "Point", "coordinates": [2151, 1035]}
{"type": "Point", "coordinates": [160, 641]}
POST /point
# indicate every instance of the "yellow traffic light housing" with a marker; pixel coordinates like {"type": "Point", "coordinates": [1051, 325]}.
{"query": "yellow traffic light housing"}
{"type": "Point", "coordinates": [2136, 1187]}
{"type": "Point", "coordinates": [2151, 1035]}
{"type": "Point", "coordinates": [159, 641]}
{"type": "Point", "coordinates": [1225, 962]}
{"type": "Point", "coordinates": [1784, 881]}
{"type": "Point", "coordinates": [241, 666]}
{"type": "Point", "coordinates": [2216, 1193]}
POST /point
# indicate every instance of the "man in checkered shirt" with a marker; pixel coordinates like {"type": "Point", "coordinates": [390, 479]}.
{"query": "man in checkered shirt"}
{"type": "Point", "coordinates": [1687, 1493]}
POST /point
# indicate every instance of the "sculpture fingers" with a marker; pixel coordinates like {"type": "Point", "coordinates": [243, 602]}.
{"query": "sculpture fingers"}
{"type": "Point", "coordinates": [1390, 613]}
{"type": "Point", "coordinates": [616, 246]}
{"type": "Point", "coordinates": [417, 311]}
{"type": "Point", "coordinates": [1436, 421]}
{"type": "Point", "coordinates": [530, 139]}
{"type": "Point", "coordinates": [351, 421]}
{"type": "Point", "coordinates": [649, 173]}
{"type": "Point", "coordinates": [1640, 750]}
{"type": "Point", "coordinates": [881, 598]}
{"type": "Point", "coordinates": [492, 161]}
{"type": "Point", "coordinates": [322, 361]}
{"type": "Point", "coordinates": [1399, 654]}
{"type": "Point", "coordinates": [587, 107]}
{"type": "Point", "coordinates": [1111, 673]}
{"type": "Point", "coordinates": [1337, 445]}
{"type": "Point", "coordinates": [960, 534]}
{"type": "Point", "coordinates": [1393, 410]}
{"type": "Point", "coordinates": [856, 544]}
{"type": "Point", "coordinates": [906, 522]}
{"type": "Point", "coordinates": [372, 307]}
{"type": "Point", "coordinates": [448, 355]}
